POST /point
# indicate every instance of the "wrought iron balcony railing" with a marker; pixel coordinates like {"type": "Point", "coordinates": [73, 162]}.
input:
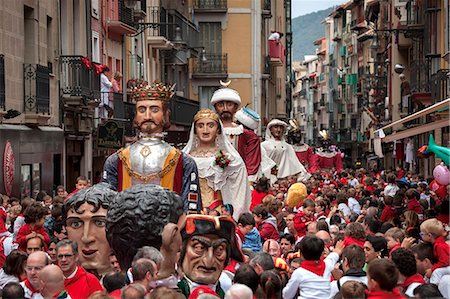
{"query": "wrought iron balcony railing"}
{"type": "Point", "coordinates": [419, 76]}
{"type": "Point", "coordinates": [172, 25]}
{"type": "Point", "coordinates": [36, 88]}
{"type": "Point", "coordinates": [125, 14]}
{"type": "Point", "coordinates": [210, 5]}
{"type": "Point", "coordinates": [2, 83]}
{"type": "Point", "coordinates": [76, 79]}
{"type": "Point", "coordinates": [440, 85]}
{"type": "Point", "coordinates": [210, 63]}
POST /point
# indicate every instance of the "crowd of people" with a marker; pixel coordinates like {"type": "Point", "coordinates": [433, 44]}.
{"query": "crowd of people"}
{"type": "Point", "coordinates": [228, 217]}
{"type": "Point", "coordinates": [354, 235]}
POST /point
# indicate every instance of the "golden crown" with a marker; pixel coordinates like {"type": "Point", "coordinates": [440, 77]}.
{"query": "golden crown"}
{"type": "Point", "coordinates": [206, 113]}
{"type": "Point", "coordinates": [154, 91]}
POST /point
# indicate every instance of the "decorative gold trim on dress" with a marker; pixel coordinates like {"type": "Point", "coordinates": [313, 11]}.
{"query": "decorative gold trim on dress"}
{"type": "Point", "coordinates": [147, 178]}
{"type": "Point", "coordinates": [206, 113]}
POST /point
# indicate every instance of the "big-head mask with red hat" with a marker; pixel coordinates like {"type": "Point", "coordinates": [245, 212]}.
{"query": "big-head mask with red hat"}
{"type": "Point", "coordinates": [208, 244]}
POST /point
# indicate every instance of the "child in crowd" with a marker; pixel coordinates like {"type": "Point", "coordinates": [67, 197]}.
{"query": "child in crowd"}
{"type": "Point", "coordinates": [353, 289]}
{"type": "Point", "coordinates": [304, 217]}
{"type": "Point", "coordinates": [266, 223]}
{"type": "Point", "coordinates": [354, 234]}
{"type": "Point", "coordinates": [312, 278]}
{"type": "Point", "coordinates": [413, 197]}
{"type": "Point", "coordinates": [391, 188]}
{"type": "Point", "coordinates": [389, 212]}
{"type": "Point", "coordinates": [80, 183]}
{"type": "Point", "coordinates": [245, 225]}
{"type": "Point", "coordinates": [382, 278]}
{"type": "Point", "coordinates": [432, 231]}
{"type": "Point", "coordinates": [394, 237]}
{"type": "Point", "coordinates": [33, 227]}
{"type": "Point", "coordinates": [3, 215]}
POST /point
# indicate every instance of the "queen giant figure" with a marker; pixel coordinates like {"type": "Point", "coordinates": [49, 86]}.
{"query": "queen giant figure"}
{"type": "Point", "coordinates": [222, 172]}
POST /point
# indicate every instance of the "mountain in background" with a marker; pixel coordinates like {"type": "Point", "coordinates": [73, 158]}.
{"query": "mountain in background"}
{"type": "Point", "coordinates": [305, 30]}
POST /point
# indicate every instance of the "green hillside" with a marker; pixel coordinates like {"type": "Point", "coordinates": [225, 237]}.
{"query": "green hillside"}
{"type": "Point", "coordinates": [305, 30]}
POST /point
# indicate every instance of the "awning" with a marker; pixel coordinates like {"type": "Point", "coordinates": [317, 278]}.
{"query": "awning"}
{"type": "Point", "coordinates": [50, 129]}
{"type": "Point", "coordinates": [14, 127]}
{"type": "Point", "coordinates": [428, 110]}
{"type": "Point", "coordinates": [417, 130]}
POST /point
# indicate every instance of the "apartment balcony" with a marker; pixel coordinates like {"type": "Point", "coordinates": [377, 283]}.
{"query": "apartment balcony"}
{"type": "Point", "coordinates": [36, 89]}
{"type": "Point", "coordinates": [2, 83]}
{"type": "Point", "coordinates": [210, 65]}
{"type": "Point", "coordinates": [414, 18]}
{"type": "Point", "coordinates": [79, 85]}
{"type": "Point", "coordinates": [120, 19]}
{"type": "Point", "coordinates": [266, 9]}
{"type": "Point", "coordinates": [440, 85]}
{"type": "Point", "coordinates": [168, 29]}
{"type": "Point", "coordinates": [276, 53]}
{"type": "Point", "coordinates": [210, 6]}
{"type": "Point", "coordinates": [420, 84]}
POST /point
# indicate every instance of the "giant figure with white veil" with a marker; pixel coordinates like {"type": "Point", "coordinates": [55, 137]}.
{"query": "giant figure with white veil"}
{"type": "Point", "coordinates": [222, 172]}
{"type": "Point", "coordinates": [282, 153]}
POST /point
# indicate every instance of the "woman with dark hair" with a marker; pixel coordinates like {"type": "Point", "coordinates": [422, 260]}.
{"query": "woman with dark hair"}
{"type": "Point", "coordinates": [14, 268]}
{"type": "Point", "coordinates": [271, 285]}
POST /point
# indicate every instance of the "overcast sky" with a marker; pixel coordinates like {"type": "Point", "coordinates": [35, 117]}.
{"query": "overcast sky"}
{"type": "Point", "coordinates": [302, 7]}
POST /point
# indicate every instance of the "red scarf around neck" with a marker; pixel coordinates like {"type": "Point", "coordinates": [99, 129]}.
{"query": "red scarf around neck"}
{"type": "Point", "coordinates": [316, 267]}
{"type": "Point", "coordinates": [30, 287]}
{"type": "Point", "coordinates": [412, 279]}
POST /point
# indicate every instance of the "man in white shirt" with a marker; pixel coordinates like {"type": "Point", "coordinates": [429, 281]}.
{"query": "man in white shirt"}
{"type": "Point", "coordinates": [312, 278]}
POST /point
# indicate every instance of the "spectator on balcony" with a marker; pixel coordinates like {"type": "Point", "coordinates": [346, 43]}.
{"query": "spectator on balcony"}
{"type": "Point", "coordinates": [405, 90]}
{"type": "Point", "coordinates": [275, 35]}
{"type": "Point", "coordinates": [116, 82]}
{"type": "Point", "coordinates": [105, 86]}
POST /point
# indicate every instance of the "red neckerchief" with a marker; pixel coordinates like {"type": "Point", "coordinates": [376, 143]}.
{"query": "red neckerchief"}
{"type": "Point", "coordinates": [316, 267]}
{"type": "Point", "coordinates": [384, 295]}
{"type": "Point", "coordinates": [30, 287]}
{"type": "Point", "coordinates": [393, 248]}
{"type": "Point", "coordinates": [413, 278]}
{"type": "Point", "coordinates": [232, 266]}
{"type": "Point", "coordinates": [348, 240]}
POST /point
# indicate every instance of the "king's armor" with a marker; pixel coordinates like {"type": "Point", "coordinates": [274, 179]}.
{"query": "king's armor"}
{"type": "Point", "coordinates": [147, 157]}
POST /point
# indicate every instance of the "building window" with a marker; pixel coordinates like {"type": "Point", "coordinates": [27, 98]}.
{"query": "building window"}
{"type": "Point", "coordinates": [211, 36]}
{"type": "Point", "coordinates": [95, 47]}
{"type": "Point", "coordinates": [30, 180]}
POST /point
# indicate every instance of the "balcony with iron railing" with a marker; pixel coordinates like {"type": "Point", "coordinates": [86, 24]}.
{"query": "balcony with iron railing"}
{"type": "Point", "coordinates": [36, 89]}
{"type": "Point", "coordinates": [2, 83]}
{"type": "Point", "coordinates": [120, 19]}
{"type": "Point", "coordinates": [414, 14]}
{"type": "Point", "coordinates": [77, 80]}
{"type": "Point", "coordinates": [208, 6]}
{"type": "Point", "coordinates": [440, 85]}
{"type": "Point", "coordinates": [169, 28]}
{"type": "Point", "coordinates": [210, 65]}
